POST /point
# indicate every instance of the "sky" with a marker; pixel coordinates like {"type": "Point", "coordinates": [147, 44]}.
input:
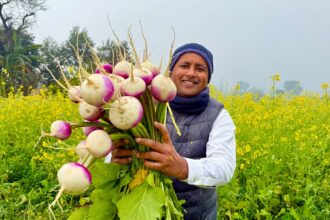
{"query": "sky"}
{"type": "Point", "coordinates": [250, 40]}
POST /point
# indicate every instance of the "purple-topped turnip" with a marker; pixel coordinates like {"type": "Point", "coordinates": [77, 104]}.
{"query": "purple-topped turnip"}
{"type": "Point", "coordinates": [90, 112]}
{"type": "Point", "coordinates": [97, 89]}
{"type": "Point", "coordinates": [60, 130]}
{"type": "Point", "coordinates": [126, 112]}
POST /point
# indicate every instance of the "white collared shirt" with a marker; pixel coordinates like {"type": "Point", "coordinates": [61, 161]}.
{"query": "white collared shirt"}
{"type": "Point", "coordinates": [218, 167]}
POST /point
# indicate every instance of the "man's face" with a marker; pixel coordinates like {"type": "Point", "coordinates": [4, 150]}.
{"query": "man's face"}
{"type": "Point", "coordinates": [190, 75]}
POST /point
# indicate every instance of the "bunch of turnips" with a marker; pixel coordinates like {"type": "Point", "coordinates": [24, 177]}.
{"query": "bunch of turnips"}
{"type": "Point", "coordinates": [118, 102]}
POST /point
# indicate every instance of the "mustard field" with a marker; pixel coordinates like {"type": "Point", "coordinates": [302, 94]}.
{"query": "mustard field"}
{"type": "Point", "coordinates": [283, 156]}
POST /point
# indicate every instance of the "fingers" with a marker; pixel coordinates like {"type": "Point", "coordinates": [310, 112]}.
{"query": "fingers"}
{"type": "Point", "coordinates": [119, 152]}
{"type": "Point", "coordinates": [122, 156]}
{"type": "Point", "coordinates": [153, 165]}
{"type": "Point", "coordinates": [164, 132]}
{"type": "Point", "coordinates": [155, 145]}
{"type": "Point", "coordinates": [153, 160]}
{"type": "Point", "coordinates": [120, 143]}
{"type": "Point", "coordinates": [124, 161]}
{"type": "Point", "coordinates": [151, 155]}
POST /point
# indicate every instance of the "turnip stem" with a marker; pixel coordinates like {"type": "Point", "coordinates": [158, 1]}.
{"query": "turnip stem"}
{"type": "Point", "coordinates": [89, 161]}
{"type": "Point", "coordinates": [61, 85]}
{"type": "Point", "coordinates": [117, 91]}
{"type": "Point", "coordinates": [85, 124]}
{"type": "Point", "coordinates": [90, 81]}
{"type": "Point", "coordinates": [161, 63]}
{"type": "Point", "coordinates": [173, 119]}
{"type": "Point", "coordinates": [165, 117]}
{"type": "Point", "coordinates": [122, 57]}
{"type": "Point", "coordinates": [84, 159]}
{"type": "Point", "coordinates": [81, 69]}
{"type": "Point", "coordinates": [118, 136]}
{"type": "Point", "coordinates": [145, 52]}
{"type": "Point", "coordinates": [131, 72]}
{"type": "Point", "coordinates": [149, 112]}
{"type": "Point", "coordinates": [58, 82]}
{"type": "Point", "coordinates": [62, 73]}
{"type": "Point", "coordinates": [138, 63]}
{"type": "Point", "coordinates": [167, 70]}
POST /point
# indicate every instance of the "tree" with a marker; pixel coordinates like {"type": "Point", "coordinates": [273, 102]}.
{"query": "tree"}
{"type": "Point", "coordinates": [16, 16]}
{"type": "Point", "coordinates": [244, 86]}
{"type": "Point", "coordinates": [19, 56]}
{"type": "Point", "coordinates": [257, 91]}
{"type": "Point", "coordinates": [80, 42]}
{"type": "Point", "coordinates": [65, 55]}
{"type": "Point", "coordinates": [19, 63]}
{"type": "Point", "coordinates": [49, 52]}
{"type": "Point", "coordinates": [109, 51]}
{"type": "Point", "coordinates": [293, 86]}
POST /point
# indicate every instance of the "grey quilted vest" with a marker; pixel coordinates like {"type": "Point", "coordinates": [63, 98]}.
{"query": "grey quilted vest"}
{"type": "Point", "coordinates": [201, 203]}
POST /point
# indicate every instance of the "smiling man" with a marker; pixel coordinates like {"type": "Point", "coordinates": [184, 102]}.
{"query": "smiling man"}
{"type": "Point", "coordinates": [207, 142]}
{"type": "Point", "coordinates": [204, 156]}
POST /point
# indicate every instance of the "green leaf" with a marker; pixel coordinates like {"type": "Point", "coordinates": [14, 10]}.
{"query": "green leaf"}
{"type": "Point", "coordinates": [172, 209]}
{"type": "Point", "coordinates": [106, 192]}
{"type": "Point", "coordinates": [84, 200]}
{"type": "Point", "coordinates": [143, 202]}
{"type": "Point", "coordinates": [151, 179]}
{"type": "Point", "coordinates": [102, 210]}
{"type": "Point", "coordinates": [79, 214]}
{"type": "Point", "coordinates": [125, 180]}
{"type": "Point", "coordinates": [105, 172]}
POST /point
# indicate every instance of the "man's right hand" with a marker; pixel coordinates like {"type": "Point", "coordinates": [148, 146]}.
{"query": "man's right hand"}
{"type": "Point", "coordinates": [121, 155]}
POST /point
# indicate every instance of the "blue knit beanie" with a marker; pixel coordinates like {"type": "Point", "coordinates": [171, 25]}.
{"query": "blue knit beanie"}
{"type": "Point", "coordinates": [193, 48]}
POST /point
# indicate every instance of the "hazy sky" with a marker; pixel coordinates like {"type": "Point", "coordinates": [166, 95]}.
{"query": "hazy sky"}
{"type": "Point", "coordinates": [250, 40]}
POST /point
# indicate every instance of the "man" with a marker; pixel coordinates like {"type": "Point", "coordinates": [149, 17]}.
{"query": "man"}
{"type": "Point", "coordinates": [203, 157]}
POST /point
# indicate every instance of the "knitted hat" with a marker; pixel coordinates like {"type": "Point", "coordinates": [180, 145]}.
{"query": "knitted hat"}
{"type": "Point", "coordinates": [194, 48]}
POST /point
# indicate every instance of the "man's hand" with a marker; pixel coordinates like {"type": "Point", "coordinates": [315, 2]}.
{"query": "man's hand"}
{"type": "Point", "coordinates": [120, 155]}
{"type": "Point", "coordinates": [163, 156]}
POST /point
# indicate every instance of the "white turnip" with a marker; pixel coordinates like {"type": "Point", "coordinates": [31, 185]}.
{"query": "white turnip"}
{"type": "Point", "coordinates": [90, 112]}
{"type": "Point", "coordinates": [107, 67]}
{"type": "Point", "coordinates": [97, 89]}
{"type": "Point", "coordinates": [73, 178]}
{"type": "Point", "coordinates": [126, 112]}
{"type": "Point", "coordinates": [98, 143]}
{"type": "Point", "coordinates": [60, 130]}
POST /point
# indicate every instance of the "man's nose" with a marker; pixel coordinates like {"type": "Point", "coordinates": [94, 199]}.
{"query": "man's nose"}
{"type": "Point", "coordinates": [191, 71]}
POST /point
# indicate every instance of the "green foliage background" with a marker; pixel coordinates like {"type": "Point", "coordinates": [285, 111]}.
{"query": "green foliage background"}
{"type": "Point", "coordinates": [283, 151]}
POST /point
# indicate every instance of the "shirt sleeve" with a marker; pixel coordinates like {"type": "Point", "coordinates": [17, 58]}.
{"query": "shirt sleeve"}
{"type": "Point", "coordinates": [107, 158]}
{"type": "Point", "coordinates": [218, 167]}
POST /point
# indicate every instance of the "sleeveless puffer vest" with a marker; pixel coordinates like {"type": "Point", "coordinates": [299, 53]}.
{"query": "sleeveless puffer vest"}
{"type": "Point", "coordinates": [201, 203]}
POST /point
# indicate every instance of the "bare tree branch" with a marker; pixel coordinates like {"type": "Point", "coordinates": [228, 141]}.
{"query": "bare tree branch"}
{"type": "Point", "coordinates": [3, 19]}
{"type": "Point", "coordinates": [20, 13]}
{"type": "Point", "coordinates": [24, 20]}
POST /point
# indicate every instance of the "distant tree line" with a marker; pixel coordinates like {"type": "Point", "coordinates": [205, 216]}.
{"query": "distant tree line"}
{"type": "Point", "coordinates": [292, 87]}
{"type": "Point", "coordinates": [23, 62]}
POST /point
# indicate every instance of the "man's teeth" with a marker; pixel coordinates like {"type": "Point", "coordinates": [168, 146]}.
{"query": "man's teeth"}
{"type": "Point", "coordinates": [188, 82]}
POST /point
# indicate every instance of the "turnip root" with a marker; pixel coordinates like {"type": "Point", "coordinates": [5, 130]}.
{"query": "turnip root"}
{"type": "Point", "coordinates": [126, 112]}
{"type": "Point", "coordinates": [97, 89]}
